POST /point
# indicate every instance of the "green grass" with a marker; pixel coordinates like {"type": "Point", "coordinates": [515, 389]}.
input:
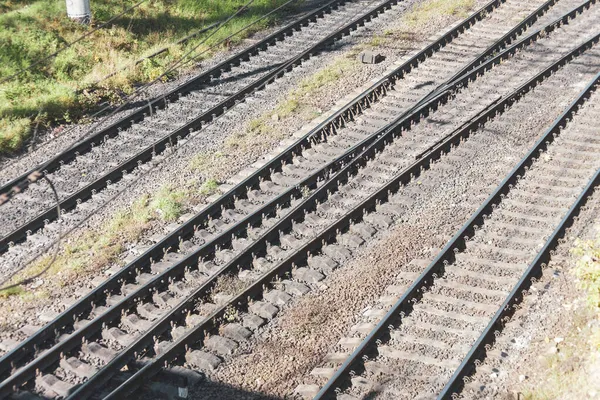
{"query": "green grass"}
{"type": "Point", "coordinates": [299, 99]}
{"type": "Point", "coordinates": [588, 269]}
{"type": "Point", "coordinates": [209, 187]}
{"type": "Point", "coordinates": [168, 203]}
{"type": "Point", "coordinates": [31, 30]}
{"type": "Point", "coordinates": [425, 11]}
{"type": "Point", "coordinates": [323, 77]}
{"type": "Point", "coordinates": [14, 291]}
{"type": "Point", "coordinates": [567, 372]}
{"type": "Point", "coordinates": [262, 132]}
{"type": "Point", "coordinates": [13, 133]}
{"type": "Point", "coordinates": [92, 250]}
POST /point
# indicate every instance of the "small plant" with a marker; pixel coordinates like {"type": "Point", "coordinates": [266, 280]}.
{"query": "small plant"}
{"type": "Point", "coordinates": [377, 41]}
{"type": "Point", "coordinates": [167, 203]}
{"type": "Point", "coordinates": [288, 107]}
{"type": "Point", "coordinates": [325, 76]}
{"type": "Point", "coordinates": [587, 269]}
{"type": "Point", "coordinates": [258, 126]}
{"type": "Point", "coordinates": [207, 163]}
{"type": "Point", "coordinates": [231, 314]}
{"type": "Point", "coordinates": [305, 191]}
{"type": "Point", "coordinates": [209, 187]}
{"type": "Point", "coordinates": [13, 131]}
{"type": "Point", "coordinates": [14, 291]}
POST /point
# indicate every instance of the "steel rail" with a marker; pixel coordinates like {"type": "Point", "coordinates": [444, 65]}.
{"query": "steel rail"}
{"type": "Point", "coordinates": [329, 126]}
{"type": "Point", "coordinates": [340, 166]}
{"type": "Point", "coordinates": [175, 136]}
{"type": "Point", "coordinates": [521, 42]}
{"type": "Point", "coordinates": [256, 289]}
{"type": "Point", "coordinates": [173, 95]}
{"type": "Point", "coordinates": [488, 337]}
{"type": "Point", "coordinates": [180, 270]}
{"type": "Point", "coordinates": [456, 244]}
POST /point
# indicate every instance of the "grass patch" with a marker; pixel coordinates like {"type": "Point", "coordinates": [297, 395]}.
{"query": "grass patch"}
{"type": "Point", "coordinates": [423, 12]}
{"type": "Point", "coordinates": [323, 77]}
{"type": "Point", "coordinates": [13, 132]}
{"type": "Point", "coordinates": [92, 250]}
{"type": "Point", "coordinates": [14, 291]}
{"type": "Point", "coordinates": [29, 31]}
{"type": "Point", "coordinates": [96, 249]}
{"type": "Point", "coordinates": [168, 203]}
{"type": "Point", "coordinates": [587, 269]}
{"type": "Point", "coordinates": [299, 100]}
{"type": "Point", "coordinates": [209, 187]}
{"type": "Point", "coordinates": [572, 369]}
{"type": "Point", "coordinates": [210, 165]}
{"type": "Point", "coordinates": [262, 132]}
{"type": "Point", "coordinates": [415, 18]}
{"type": "Point", "coordinates": [568, 372]}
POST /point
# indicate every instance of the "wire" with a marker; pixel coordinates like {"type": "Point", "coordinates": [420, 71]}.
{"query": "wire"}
{"type": "Point", "coordinates": [36, 176]}
{"type": "Point", "coordinates": [54, 256]}
{"type": "Point", "coordinates": [194, 58]}
{"type": "Point", "coordinates": [20, 186]}
{"type": "Point", "coordinates": [57, 52]}
{"type": "Point", "coordinates": [112, 198]}
{"type": "Point", "coordinates": [154, 54]}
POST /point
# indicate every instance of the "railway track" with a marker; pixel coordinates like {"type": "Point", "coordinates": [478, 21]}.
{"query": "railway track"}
{"type": "Point", "coordinates": [456, 304]}
{"type": "Point", "coordinates": [19, 253]}
{"type": "Point", "coordinates": [191, 340]}
{"type": "Point", "coordinates": [227, 202]}
{"type": "Point", "coordinates": [191, 233]}
{"type": "Point", "coordinates": [329, 127]}
{"type": "Point", "coordinates": [84, 171]}
{"type": "Point", "coordinates": [319, 134]}
{"type": "Point", "coordinates": [143, 309]}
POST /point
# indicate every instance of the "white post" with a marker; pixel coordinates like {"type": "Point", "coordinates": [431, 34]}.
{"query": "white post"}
{"type": "Point", "coordinates": [79, 10]}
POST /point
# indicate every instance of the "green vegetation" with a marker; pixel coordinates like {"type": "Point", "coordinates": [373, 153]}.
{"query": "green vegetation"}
{"type": "Point", "coordinates": [569, 371]}
{"type": "Point", "coordinates": [63, 89]}
{"type": "Point", "coordinates": [91, 251]}
{"type": "Point", "coordinates": [209, 187]}
{"type": "Point", "coordinates": [414, 20]}
{"type": "Point", "coordinates": [97, 249]}
{"type": "Point", "coordinates": [425, 11]}
{"type": "Point", "coordinates": [263, 132]}
{"type": "Point", "coordinates": [588, 269]}
{"type": "Point", "coordinates": [167, 203]}
{"type": "Point", "coordinates": [17, 290]}
{"type": "Point", "coordinates": [572, 369]}
{"type": "Point", "coordinates": [299, 100]}
{"type": "Point", "coordinates": [13, 132]}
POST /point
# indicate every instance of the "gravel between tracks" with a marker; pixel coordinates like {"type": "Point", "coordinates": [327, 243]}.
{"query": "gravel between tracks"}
{"type": "Point", "coordinates": [278, 359]}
